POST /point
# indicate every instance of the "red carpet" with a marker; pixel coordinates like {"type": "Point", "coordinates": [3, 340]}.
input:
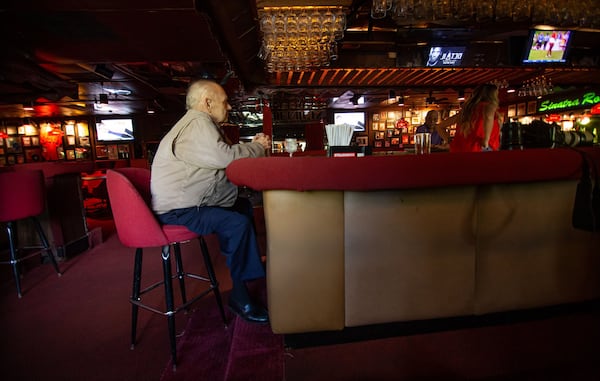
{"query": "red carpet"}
{"type": "Point", "coordinates": [242, 351]}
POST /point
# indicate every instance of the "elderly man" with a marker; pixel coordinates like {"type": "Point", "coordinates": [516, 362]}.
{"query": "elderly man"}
{"type": "Point", "coordinates": [189, 187]}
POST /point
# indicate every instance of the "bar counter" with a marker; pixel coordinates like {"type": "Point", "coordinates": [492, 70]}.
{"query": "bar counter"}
{"type": "Point", "coordinates": [373, 240]}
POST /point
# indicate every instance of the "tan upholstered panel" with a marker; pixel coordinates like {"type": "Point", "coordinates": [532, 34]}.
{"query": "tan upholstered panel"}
{"type": "Point", "coordinates": [409, 254]}
{"type": "Point", "coordinates": [528, 253]}
{"type": "Point", "coordinates": [305, 262]}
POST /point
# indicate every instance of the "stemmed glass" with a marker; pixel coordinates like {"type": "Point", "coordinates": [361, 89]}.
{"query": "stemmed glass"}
{"type": "Point", "coordinates": [291, 145]}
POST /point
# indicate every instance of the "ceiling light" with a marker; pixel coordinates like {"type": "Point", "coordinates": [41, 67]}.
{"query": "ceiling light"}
{"type": "Point", "coordinates": [461, 95]}
{"type": "Point", "coordinates": [401, 100]}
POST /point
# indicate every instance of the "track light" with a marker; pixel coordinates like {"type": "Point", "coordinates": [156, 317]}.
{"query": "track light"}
{"type": "Point", "coordinates": [401, 100]}
{"type": "Point", "coordinates": [461, 95]}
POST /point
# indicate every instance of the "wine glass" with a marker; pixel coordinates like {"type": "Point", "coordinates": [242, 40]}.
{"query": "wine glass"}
{"type": "Point", "coordinates": [291, 145]}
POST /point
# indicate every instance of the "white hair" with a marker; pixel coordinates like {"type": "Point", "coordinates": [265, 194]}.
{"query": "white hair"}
{"type": "Point", "coordinates": [197, 91]}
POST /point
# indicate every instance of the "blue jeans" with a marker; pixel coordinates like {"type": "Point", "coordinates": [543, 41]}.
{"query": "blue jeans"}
{"type": "Point", "coordinates": [235, 231]}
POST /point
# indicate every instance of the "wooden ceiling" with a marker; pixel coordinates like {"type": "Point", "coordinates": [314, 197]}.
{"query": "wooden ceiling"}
{"type": "Point", "coordinates": [61, 55]}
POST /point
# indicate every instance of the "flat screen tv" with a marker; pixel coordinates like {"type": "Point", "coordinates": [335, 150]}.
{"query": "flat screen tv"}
{"type": "Point", "coordinates": [445, 56]}
{"type": "Point", "coordinates": [110, 130]}
{"type": "Point", "coordinates": [547, 46]}
{"type": "Point", "coordinates": [355, 119]}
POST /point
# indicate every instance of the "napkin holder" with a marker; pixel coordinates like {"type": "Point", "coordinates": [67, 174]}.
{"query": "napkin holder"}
{"type": "Point", "coordinates": [348, 151]}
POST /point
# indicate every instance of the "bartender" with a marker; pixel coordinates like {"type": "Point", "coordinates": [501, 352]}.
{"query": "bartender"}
{"type": "Point", "coordinates": [437, 140]}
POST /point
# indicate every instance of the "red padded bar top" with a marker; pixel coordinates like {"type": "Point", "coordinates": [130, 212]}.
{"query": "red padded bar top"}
{"type": "Point", "coordinates": [407, 171]}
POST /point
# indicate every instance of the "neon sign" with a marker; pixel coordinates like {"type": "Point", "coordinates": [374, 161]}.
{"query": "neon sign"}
{"type": "Point", "coordinates": [586, 100]}
{"type": "Point", "coordinates": [553, 118]}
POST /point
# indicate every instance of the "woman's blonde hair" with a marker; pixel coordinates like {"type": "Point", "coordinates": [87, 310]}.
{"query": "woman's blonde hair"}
{"type": "Point", "coordinates": [483, 93]}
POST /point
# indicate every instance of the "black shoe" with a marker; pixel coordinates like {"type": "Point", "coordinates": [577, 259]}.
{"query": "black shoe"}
{"type": "Point", "coordinates": [249, 312]}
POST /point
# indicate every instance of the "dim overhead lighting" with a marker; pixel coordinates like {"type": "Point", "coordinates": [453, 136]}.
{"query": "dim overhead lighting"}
{"type": "Point", "coordinates": [461, 95]}
{"type": "Point", "coordinates": [299, 38]}
{"type": "Point", "coordinates": [401, 100]}
{"type": "Point", "coordinates": [28, 107]}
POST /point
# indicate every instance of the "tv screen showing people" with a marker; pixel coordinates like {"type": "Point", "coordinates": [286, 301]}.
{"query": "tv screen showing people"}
{"type": "Point", "coordinates": [547, 46]}
{"type": "Point", "coordinates": [448, 56]}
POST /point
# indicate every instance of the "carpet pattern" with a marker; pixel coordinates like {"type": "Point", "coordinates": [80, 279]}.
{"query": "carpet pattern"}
{"type": "Point", "coordinates": [207, 350]}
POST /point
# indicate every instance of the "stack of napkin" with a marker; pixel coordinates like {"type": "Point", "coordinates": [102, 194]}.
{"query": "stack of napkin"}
{"type": "Point", "coordinates": [339, 134]}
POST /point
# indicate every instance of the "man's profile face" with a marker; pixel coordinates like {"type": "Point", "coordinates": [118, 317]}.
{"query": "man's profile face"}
{"type": "Point", "coordinates": [435, 53]}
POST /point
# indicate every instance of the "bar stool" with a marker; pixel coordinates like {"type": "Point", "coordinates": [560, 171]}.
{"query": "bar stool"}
{"type": "Point", "coordinates": [22, 196]}
{"type": "Point", "coordinates": [137, 227]}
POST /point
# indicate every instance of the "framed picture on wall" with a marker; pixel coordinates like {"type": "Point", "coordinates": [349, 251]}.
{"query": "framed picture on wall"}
{"type": "Point", "coordinates": [521, 109]}
{"type": "Point", "coordinates": [26, 141]}
{"type": "Point", "coordinates": [531, 107]}
{"type": "Point", "coordinates": [362, 141]}
{"type": "Point", "coordinates": [70, 129]}
{"type": "Point", "coordinates": [35, 140]}
{"type": "Point", "coordinates": [33, 155]}
{"type": "Point", "coordinates": [511, 111]}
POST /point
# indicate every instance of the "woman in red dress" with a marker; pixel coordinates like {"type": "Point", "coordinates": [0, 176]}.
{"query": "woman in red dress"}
{"type": "Point", "coordinates": [478, 123]}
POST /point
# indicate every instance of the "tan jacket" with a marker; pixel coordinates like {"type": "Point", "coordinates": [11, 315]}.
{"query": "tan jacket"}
{"type": "Point", "coordinates": [189, 166]}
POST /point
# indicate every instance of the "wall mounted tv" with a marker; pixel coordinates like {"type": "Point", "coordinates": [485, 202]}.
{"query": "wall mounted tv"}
{"type": "Point", "coordinates": [111, 130]}
{"type": "Point", "coordinates": [547, 46]}
{"type": "Point", "coordinates": [355, 119]}
{"type": "Point", "coordinates": [445, 56]}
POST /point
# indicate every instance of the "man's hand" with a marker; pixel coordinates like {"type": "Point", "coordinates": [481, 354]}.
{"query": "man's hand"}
{"type": "Point", "coordinates": [262, 139]}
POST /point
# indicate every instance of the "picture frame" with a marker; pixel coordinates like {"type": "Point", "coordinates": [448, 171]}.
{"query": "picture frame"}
{"type": "Point", "coordinates": [395, 141]}
{"type": "Point", "coordinates": [70, 154]}
{"type": "Point", "coordinates": [511, 111]}
{"type": "Point", "coordinates": [21, 130]}
{"type": "Point", "coordinates": [101, 152]}
{"type": "Point", "coordinates": [379, 135]}
{"type": "Point", "coordinates": [391, 115]}
{"type": "Point", "coordinates": [531, 107]}
{"type": "Point", "coordinates": [382, 115]}
{"type": "Point", "coordinates": [378, 143]}
{"type": "Point", "coordinates": [415, 120]}
{"type": "Point", "coordinates": [35, 140]}
{"type": "Point", "coordinates": [113, 152]}
{"type": "Point", "coordinates": [376, 117]}
{"type": "Point", "coordinates": [33, 155]}
{"type": "Point", "coordinates": [387, 143]}
{"type": "Point", "coordinates": [13, 144]}
{"type": "Point", "coordinates": [70, 129]}
{"type": "Point", "coordinates": [84, 141]}
{"type": "Point", "coordinates": [362, 141]}
{"type": "Point", "coordinates": [521, 109]}
{"type": "Point", "coordinates": [83, 129]}
{"type": "Point", "coordinates": [26, 141]}
{"type": "Point", "coordinates": [71, 140]}
{"type": "Point", "coordinates": [11, 130]}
